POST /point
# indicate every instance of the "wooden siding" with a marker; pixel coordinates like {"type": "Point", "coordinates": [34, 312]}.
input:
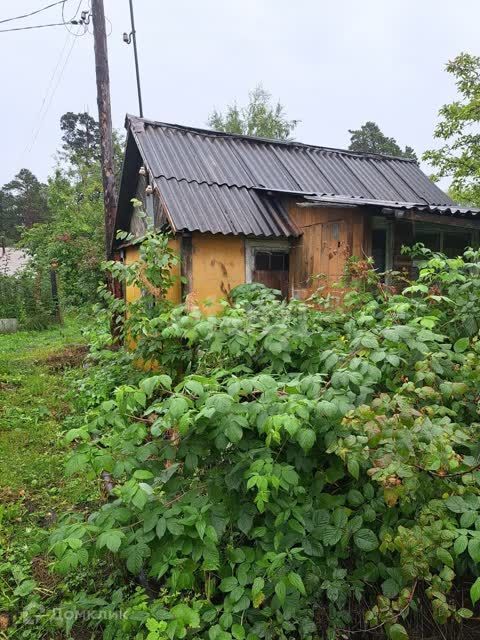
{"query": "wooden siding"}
{"type": "Point", "coordinates": [330, 236]}
{"type": "Point", "coordinates": [218, 265]}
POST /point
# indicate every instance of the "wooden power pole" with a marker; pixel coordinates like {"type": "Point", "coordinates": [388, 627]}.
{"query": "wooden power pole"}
{"type": "Point", "coordinates": [105, 121]}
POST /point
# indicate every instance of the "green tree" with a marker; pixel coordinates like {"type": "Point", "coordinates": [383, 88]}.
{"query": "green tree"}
{"type": "Point", "coordinates": [23, 203]}
{"type": "Point", "coordinates": [370, 139]}
{"type": "Point", "coordinates": [80, 135]}
{"type": "Point", "coordinates": [73, 237]}
{"type": "Point", "coordinates": [260, 117]}
{"type": "Point", "coordinates": [458, 157]}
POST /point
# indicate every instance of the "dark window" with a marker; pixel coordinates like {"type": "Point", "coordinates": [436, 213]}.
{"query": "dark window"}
{"type": "Point", "coordinates": [271, 261]}
{"type": "Point", "coordinates": [379, 249]}
{"type": "Point", "coordinates": [430, 239]}
{"type": "Point", "coordinates": [262, 261]}
{"type": "Point", "coordinates": [454, 244]}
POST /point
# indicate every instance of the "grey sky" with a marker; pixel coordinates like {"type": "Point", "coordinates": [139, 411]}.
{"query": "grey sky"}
{"type": "Point", "coordinates": [333, 65]}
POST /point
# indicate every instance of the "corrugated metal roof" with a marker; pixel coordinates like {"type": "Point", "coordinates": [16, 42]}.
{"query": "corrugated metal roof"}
{"type": "Point", "coordinates": [207, 179]}
{"type": "Point", "coordinates": [446, 210]}
{"type": "Point", "coordinates": [222, 209]}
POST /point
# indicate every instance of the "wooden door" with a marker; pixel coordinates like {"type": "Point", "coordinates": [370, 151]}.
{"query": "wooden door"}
{"type": "Point", "coordinates": [271, 269]}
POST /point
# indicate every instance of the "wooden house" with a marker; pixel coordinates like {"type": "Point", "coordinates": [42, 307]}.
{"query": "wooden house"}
{"type": "Point", "coordinates": [243, 209]}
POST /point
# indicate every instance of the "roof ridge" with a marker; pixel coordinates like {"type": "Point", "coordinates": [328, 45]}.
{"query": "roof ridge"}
{"type": "Point", "coordinates": [211, 133]}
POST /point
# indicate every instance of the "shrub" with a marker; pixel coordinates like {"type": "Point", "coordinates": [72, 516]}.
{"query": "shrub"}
{"type": "Point", "coordinates": [289, 473]}
{"type": "Point", "coordinates": [27, 297]}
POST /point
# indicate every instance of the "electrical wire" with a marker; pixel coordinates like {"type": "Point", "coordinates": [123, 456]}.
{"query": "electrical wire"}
{"type": "Point", "coordinates": [33, 26]}
{"type": "Point", "coordinates": [67, 22]}
{"type": "Point", "coordinates": [52, 86]}
{"type": "Point", "coordinates": [27, 15]}
{"type": "Point", "coordinates": [39, 113]}
{"type": "Point", "coordinates": [52, 95]}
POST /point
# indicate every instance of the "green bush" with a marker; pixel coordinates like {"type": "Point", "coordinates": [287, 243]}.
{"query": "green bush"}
{"type": "Point", "coordinates": [284, 472]}
{"type": "Point", "coordinates": [26, 296]}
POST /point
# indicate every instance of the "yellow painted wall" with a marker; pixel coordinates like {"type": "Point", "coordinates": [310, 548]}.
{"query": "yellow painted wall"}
{"type": "Point", "coordinates": [174, 294]}
{"type": "Point", "coordinates": [218, 265]}
{"type": "Point", "coordinates": [132, 292]}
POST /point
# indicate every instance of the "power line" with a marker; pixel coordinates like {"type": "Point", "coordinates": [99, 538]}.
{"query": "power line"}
{"type": "Point", "coordinates": [41, 114]}
{"type": "Point", "coordinates": [72, 20]}
{"type": "Point", "coordinates": [52, 95]}
{"type": "Point", "coordinates": [34, 26]}
{"type": "Point", "coordinates": [44, 100]}
{"type": "Point", "coordinates": [27, 15]}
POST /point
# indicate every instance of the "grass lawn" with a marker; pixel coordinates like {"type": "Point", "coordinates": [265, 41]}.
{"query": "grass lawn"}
{"type": "Point", "coordinates": [34, 371]}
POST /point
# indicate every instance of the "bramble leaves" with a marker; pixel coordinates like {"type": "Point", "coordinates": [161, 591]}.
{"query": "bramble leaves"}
{"type": "Point", "coordinates": [475, 591]}
{"type": "Point", "coordinates": [285, 460]}
{"type": "Point", "coordinates": [365, 539]}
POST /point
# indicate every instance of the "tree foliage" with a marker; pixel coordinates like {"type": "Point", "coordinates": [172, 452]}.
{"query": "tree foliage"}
{"type": "Point", "coordinates": [258, 118]}
{"type": "Point", "coordinates": [73, 234]}
{"type": "Point", "coordinates": [26, 296]}
{"type": "Point", "coordinates": [23, 203]}
{"type": "Point", "coordinates": [458, 157]}
{"type": "Point", "coordinates": [73, 237]}
{"type": "Point", "coordinates": [370, 139]}
{"type": "Point", "coordinates": [281, 472]}
{"type": "Point", "coordinates": [80, 136]}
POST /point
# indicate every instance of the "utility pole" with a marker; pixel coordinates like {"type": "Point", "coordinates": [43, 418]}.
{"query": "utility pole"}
{"type": "Point", "coordinates": [132, 37]}
{"type": "Point", "coordinates": [105, 121]}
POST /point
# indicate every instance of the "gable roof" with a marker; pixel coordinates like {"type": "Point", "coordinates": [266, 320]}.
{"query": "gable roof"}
{"type": "Point", "coordinates": [217, 182]}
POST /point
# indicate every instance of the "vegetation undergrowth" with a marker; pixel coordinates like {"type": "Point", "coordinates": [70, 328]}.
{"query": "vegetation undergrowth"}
{"type": "Point", "coordinates": [282, 472]}
{"type": "Point", "coordinates": [34, 371]}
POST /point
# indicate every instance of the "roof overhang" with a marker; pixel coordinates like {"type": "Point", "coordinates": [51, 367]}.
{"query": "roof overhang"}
{"type": "Point", "coordinates": [468, 217]}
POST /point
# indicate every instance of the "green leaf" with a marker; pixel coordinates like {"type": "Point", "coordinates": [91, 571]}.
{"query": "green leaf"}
{"type": "Point", "coordinates": [475, 592]}
{"type": "Point", "coordinates": [186, 615]}
{"type": "Point", "coordinates": [148, 385]}
{"type": "Point", "coordinates": [461, 345]}
{"type": "Point", "coordinates": [211, 558]}
{"type": "Point", "coordinates": [306, 439]}
{"type": "Point", "coordinates": [460, 545]}
{"type": "Point", "coordinates": [353, 468]}
{"type": "Point", "coordinates": [142, 474]}
{"type": "Point", "coordinates": [135, 557]}
{"type": "Point", "coordinates": [25, 588]}
{"type": "Point", "coordinates": [457, 504]}
{"type": "Point", "coordinates": [328, 534]}
{"type": "Point", "coordinates": [365, 539]}
{"type": "Point", "coordinates": [467, 519]}
{"type": "Point", "coordinates": [111, 539]}
{"type": "Point", "coordinates": [355, 498]}
{"type": "Point", "coordinates": [281, 591]}
{"type": "Point", "coordinates": [195, 387]}
{"type": "Point", "coordinates": [175, 528]}
{"type": "Point", "coordinates": [238, 632]}
{"type": "Point", "coordinates": [228, 584]}
{"type": "Point", "coordinates": [178, 406]}
{"type": "Point", "coordinates": [397, 632]}
{"type": "Point", "coordinates": [444, 556]}
{"type": "Point", "coordinates": [245, 521]}
{"type": "Point", "coordinates": [257, 586]}
{"type": "Point", "coordinates": [234, 432]}
{"type": "Point", "coordinates": [161, 527]}
{"type": "Point", "coordinates": [474, 549]}
{"type": "Point", "coordinates": [390, 588]}
{"type": "Point", "coordinates": [297, 582]}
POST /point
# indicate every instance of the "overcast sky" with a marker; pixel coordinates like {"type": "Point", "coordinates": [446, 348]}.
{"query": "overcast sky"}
{"type": "Point", "coordinates": [333, 65]}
